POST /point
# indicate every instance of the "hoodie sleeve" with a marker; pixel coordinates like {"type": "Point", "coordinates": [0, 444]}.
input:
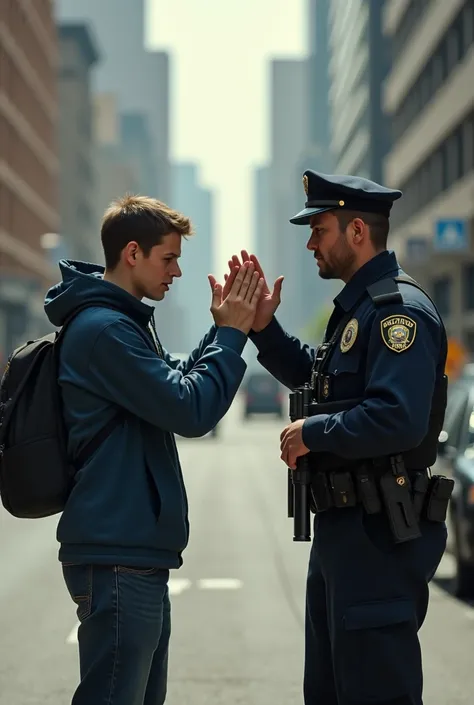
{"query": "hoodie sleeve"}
{"type": "Point", "coordinates": [127, 372]}
{"type": "Point", "coordinates": [185, 366]}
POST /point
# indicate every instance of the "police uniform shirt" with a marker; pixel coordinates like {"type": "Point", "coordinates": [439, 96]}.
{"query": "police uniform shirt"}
{"type": "Point", "coordinates": [391, 355]}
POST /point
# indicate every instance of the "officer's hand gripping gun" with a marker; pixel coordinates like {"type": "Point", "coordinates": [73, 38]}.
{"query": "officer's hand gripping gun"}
{"type": "Point", "coordinates": [299, 480]}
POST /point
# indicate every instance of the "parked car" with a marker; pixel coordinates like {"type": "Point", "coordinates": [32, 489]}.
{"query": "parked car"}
{"type": "Point", "coordinates": [262, 395]}
{"type": "Point", "coordinates": [184, 356]}
{"type": "Point", "coordinates": [456, 460]}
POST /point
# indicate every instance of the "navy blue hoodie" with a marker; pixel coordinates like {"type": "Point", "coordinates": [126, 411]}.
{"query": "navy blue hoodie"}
{"type": "Point", "coordinates": [128, 504]}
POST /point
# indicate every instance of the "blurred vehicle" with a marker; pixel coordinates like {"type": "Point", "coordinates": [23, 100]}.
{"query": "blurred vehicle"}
{"type": "Point", "coordinates": [456, 460]}
{"type": "Point", "coordinates": [262, 395]}
{"type": "Point", "coordinates": [183, 357]}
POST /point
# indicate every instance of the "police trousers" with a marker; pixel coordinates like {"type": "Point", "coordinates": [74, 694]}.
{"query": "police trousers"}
{"type": "Point", "coordinates": [366, 599]}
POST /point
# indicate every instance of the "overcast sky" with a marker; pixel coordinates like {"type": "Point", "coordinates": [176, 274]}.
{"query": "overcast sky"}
{"type": "Point", "coordinates": [220, 51]}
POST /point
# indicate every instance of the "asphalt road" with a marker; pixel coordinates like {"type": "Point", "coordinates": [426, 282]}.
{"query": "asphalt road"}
{"type": "Point", "coordinates": [237, 601]}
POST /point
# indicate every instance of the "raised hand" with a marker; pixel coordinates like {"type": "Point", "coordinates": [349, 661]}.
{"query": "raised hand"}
{"type": "Point", "coordinates": [237, 308]}
{"type": "Point", "coordinates": [269, 300]}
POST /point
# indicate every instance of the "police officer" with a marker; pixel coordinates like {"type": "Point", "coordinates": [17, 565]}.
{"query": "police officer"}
{"type": "Point", "coordinates": [385, 349]}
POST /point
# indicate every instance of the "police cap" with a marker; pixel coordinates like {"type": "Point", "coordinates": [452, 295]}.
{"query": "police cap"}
{"type": "Point", "coordinates": [325, 192]}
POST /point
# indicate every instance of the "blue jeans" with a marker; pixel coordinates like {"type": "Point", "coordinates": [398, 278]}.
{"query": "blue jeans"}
{"type": "Point", "coordinates": [124, 633]}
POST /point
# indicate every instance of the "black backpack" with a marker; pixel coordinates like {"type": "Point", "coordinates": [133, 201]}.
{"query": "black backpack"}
{"type": "Point", "coordinates": [36, 475]}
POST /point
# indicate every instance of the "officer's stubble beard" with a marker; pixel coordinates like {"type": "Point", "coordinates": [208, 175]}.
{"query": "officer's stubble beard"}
{"type": "Point", "coordinates": [340, 261]}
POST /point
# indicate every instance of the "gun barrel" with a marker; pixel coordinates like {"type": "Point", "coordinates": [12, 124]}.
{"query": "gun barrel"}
{"type": "Point", "coordinates": [291, 495]}
{"type": "Point", "coordinates": [302, 512]}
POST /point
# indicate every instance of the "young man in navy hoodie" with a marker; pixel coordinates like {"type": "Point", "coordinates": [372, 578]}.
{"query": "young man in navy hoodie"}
{"type": "Point", "coordinates": [125, 524]}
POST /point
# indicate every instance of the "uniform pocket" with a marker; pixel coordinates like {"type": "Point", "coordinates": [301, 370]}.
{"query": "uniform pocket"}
{"type": "Point", "coordinates": [380, 653]}
{"type": "Point", "coordinates": [347, 363]}
{"type": "Point", "coordinates": [346, 375]}
{"type": "Point", "coordinates": [78, 579]}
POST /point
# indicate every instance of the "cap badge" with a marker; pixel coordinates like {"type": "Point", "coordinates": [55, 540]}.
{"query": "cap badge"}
{"type": "Point", "coordinates": [305, 184]}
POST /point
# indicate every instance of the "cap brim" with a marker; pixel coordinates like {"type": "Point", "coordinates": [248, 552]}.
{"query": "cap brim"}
{"type": "Point", "coordinates": [304, 216]}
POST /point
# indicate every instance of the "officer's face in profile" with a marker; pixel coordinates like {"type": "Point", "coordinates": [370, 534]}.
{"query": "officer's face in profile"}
{"type": "Point", "coordinates": [152, 275]}
{"type": "Point", "coordinates": [331, 247]}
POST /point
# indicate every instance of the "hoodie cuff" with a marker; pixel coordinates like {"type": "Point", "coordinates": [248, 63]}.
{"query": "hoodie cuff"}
{"type": "Point", "coordinates": [231, 338]}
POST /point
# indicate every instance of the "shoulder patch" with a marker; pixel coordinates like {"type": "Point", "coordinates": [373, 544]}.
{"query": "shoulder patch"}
{"type": "Point", "coordinates": [398, 332]}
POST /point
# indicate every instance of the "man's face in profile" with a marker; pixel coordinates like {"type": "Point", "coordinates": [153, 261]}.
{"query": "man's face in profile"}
{"type": "Point", "coordinates": [153, 275]}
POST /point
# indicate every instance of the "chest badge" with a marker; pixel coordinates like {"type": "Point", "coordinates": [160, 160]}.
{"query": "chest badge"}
{"type": "Point", "coordinates": [349, 335]}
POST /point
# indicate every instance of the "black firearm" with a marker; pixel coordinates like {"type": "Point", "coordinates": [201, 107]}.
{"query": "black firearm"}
{"type": "Point", "coordinates": [299, 480]}
{"type": "Point", "coordinates": [302, 406]}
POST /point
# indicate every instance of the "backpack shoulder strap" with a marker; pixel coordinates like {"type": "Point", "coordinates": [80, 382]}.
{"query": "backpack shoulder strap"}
{"type": "Point", "coordinates": [90, 448]}
{"type": "Point", "coordinates": [94, 443]}
{"type": "Point", "coordinates": [77, 311]}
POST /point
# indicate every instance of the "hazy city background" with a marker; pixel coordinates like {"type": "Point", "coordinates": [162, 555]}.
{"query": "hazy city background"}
{"type": "Point", "coordinates": [217, 108]}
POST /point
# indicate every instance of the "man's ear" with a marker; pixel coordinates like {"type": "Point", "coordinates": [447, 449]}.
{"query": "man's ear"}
{"type": "Point", "coordinates": [358, 230]}
{"type": "Point", "coordinates": [131, 251]}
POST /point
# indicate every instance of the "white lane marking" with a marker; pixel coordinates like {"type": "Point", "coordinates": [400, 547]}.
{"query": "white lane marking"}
{"type": "Point", "coordinates": [72, 638]}
{"type": "Point", "coordinates": [220, 584]}
{"type": "Point", "coordinates": [178, 585]}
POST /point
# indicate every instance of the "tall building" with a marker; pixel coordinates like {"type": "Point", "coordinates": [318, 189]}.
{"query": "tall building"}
{"type": "Point", "coordinates": [289, 130]}
{"type": "Point", "coordinates": [319, 84]}
{"type": "Point", "coordinates": [139, 78]}
{"type": "Point", "coordinates": [262, 205]}
{"type": "Point", "coordinates": [192, 291]}
{"type": "Point", "coordinates": [358, 66]}
{"type": "Point", "coordinates": [116, 173]}
{"type": "Point", "coordinates": [429, 96]}
{"type": "Point", "coordinates": [28, 167]}
{"type": "Point", "coordinates": [135, 138]}
{"type": "Point", "coordinates": [78, 182]}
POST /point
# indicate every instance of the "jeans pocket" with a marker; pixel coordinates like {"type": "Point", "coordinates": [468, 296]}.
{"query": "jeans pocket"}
{"type": "Point", "coordinates": [380, 655]}
{"type": "Point", "coordinates": [78, 579]}
{"type": "Point", "coordinates": [137, 571]}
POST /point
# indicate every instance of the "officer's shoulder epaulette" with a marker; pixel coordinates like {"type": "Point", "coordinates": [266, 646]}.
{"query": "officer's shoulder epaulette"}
{"type": "Point", "coordinates": [386, 291]}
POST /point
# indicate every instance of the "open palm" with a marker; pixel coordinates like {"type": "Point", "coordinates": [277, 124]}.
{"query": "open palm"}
{"type": "Point", "coordinates": [269, 300]}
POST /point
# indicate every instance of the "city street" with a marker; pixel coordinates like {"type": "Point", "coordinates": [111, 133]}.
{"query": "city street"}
{"type": "Point", "coordinates": [237, 602]}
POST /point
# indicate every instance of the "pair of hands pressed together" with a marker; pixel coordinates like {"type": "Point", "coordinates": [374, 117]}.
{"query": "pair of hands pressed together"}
{"type": "Point", "coordinates": [245, 302]}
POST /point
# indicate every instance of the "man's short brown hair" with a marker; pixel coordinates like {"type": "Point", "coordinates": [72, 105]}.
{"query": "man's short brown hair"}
{"type": "Point", "coordinates": [142, 219]}
{"type": "Point", "coordinates": [378, 225]}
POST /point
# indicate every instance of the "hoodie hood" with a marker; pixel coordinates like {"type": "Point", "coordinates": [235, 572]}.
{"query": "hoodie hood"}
{"type": "Point", "coordinates": [83, 282]}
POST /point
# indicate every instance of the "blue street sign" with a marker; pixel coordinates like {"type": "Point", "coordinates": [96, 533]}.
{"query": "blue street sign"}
{"type": "Point", "coordinates": [451, 235]}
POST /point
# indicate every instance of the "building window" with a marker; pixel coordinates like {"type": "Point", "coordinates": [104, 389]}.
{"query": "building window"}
{"type": "Point", "coordinates": [411, 19]}
{"type": "Point", "coordinates": [446, 56]}
{"type": "Point", "coordinates": [468, 144]}
{"type": "Point", "coordinates": [442, 295]}
{"type": "Point", "coordinates": [468, 287]}
{"type": "Point", "coordinates": [450, 161]}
